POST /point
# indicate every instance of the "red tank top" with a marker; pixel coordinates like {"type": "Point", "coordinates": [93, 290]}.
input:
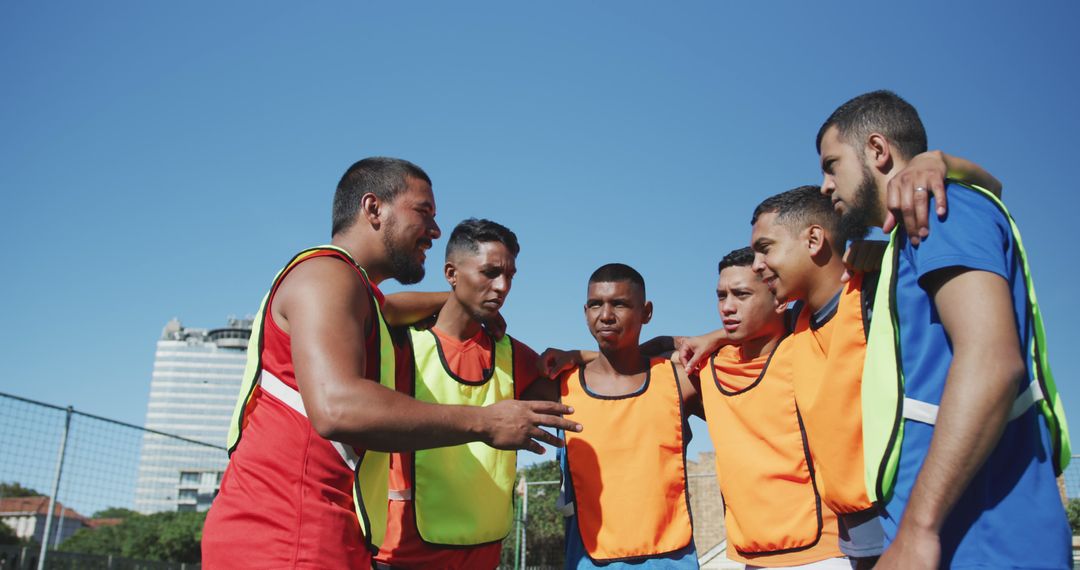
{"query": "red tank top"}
{"type": "Point", "coordinates": [286, 496]}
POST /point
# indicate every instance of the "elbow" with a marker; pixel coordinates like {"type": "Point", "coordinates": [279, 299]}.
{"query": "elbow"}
{"type": "Point", "coordinates": [336, 422]}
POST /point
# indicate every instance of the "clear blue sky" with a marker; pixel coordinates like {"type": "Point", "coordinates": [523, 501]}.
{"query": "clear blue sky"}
{"type": "Point", "coordinates": [165, 159]}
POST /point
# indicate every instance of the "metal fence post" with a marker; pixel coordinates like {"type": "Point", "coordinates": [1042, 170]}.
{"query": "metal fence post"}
{"type": "Point", "coordinates": [55, 490]}
{"type": "Point", "coordinates": [524, 524]}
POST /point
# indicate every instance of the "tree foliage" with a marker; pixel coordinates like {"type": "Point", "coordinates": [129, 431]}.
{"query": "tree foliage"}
{"type": "Point", "coordinates": [14, 489]}
{"type": "Point", "coordinates": [114, 513]}
{"type": "Point", "coordinates": [544, 526]}
{"type": "Point", "coordinates": [169, 536]}
{"type": "Point", "coordinates": [1073, 510]}
{"type": "Point", "coordinates": [7, 535]}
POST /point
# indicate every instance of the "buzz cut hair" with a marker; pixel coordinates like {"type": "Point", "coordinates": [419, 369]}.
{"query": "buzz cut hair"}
{"type": "Point", "coordinates": [742, 257]}
{"type": "Point", "coordinates": [881, 112]}
{"type": "Point", "coordinates": [801, 207]}
{"type": "Point", "coordinates": [618, 273]}
{"type": "Point", "coordinates": [382, 176]}
{"type": "Point", "coordinates": [469, 234]}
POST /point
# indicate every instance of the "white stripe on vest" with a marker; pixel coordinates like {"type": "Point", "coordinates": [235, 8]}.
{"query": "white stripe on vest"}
{"type": "Point", "coordinates": [925, 412]}
{"type": "Point", "coordinates": [286, 395]}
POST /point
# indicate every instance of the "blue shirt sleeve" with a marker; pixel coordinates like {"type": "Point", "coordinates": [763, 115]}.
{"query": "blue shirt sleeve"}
{"type": "Point", "coordinates": [974, 234]}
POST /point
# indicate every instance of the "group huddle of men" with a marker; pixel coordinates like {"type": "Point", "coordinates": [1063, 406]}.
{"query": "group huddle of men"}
{"type": "Point", "coordinates": [898, 414]}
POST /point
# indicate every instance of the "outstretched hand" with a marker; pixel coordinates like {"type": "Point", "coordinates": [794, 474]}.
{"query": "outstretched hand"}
{"type": "Point", "coordinates": [515, 424]}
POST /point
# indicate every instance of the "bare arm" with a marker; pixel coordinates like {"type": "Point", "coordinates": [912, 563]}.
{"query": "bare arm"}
{"type": "Point", "coordinates": [408, 307]}
{"type": "Point", "coordinates": [693, 350]}
{"type": "Point", "coordinates": [928, 171]}
{"type": "Point", "coordinates": [325, 308]}
{"type": "Point", "coordinates": [987, 366]}
{"type": "Point", "coordinates": [691, 396]}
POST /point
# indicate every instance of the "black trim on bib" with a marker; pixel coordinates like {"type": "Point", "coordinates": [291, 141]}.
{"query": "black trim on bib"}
{"type": "Point", "coordinates": [761, 376]}
{"type": "Point", "coordinates": [634, 394]}
{"type": "Point", "coordinates": [489, 371]}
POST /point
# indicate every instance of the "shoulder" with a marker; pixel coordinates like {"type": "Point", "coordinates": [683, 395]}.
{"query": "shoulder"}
{"type": "Point", "coordinates": [974, 234]}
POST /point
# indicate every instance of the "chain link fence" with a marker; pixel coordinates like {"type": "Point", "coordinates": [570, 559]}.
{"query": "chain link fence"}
{"type": "Point", "coordinates": [73, 485]}
{"type": "Point", "coordinates": [79, 490]}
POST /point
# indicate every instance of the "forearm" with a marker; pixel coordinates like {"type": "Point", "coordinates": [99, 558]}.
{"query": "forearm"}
{"type": "Point", "coordinates": [371, 416]}
{"type": "Point", "coordinates": [974, 409]}
{"type": "Point", "coordinates": [408, 307]}
{"type": "Point", "coordinates": [966, 171]}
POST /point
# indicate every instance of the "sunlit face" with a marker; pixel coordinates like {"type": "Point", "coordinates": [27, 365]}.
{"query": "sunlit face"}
{"type": "Point", "coordinates": [481, 281]}
{"type": "Point", "coordinates": [781, 257]}
{"type": "Point", "coordinates": [747, 307]}
{"type": "Point", "coordinates": [850, 183]}
{"type": "Point", "coordinates": [410, 229]}
{"type": "Point", "coordinates": [615, 313]}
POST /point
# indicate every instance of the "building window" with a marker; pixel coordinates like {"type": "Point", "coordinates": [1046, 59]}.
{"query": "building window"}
{"type": "Point", "coordinates": [188, 495]}
{"type": "Point", "coordinates": [189, 477]}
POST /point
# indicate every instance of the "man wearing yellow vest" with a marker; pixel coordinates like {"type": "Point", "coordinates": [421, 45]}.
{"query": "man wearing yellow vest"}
{"type": "Point", "coordinates": [625, 477]}
{"type": "Point", "coordinates": [774, 516]}
{"type": "Point", "coordinates": [964, 430]}
{"type": "Point", "coordinates": [306, 485]}
{"type": "Point", "coordinates": [451, 507]}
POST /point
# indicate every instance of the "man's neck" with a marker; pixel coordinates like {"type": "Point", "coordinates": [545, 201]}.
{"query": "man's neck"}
{"type": "Point", "coordinates": [366, 252]}
{"type": "Point", "coordinates": [622, 362]}
{"type": "Point", "coordinates": [455, 321]}
{"type": "Point", "coordinates": [825, 283]}
{"type": "Point", "coordinates": [758, 347]}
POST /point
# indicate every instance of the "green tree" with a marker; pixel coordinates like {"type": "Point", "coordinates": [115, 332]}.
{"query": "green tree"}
{"type": "Point", "coordinates": [14, 489]}
{"type": "Point", "coordinates": [7, 535]}
{"type": "Point", "coordinates": [544, 534]}
{"type": "Point", "coordinates": [114, 513]}
{"type": "Point", "coordinates": [1073, 510]}
{"type": "Point", "coordinates": [169, 536]}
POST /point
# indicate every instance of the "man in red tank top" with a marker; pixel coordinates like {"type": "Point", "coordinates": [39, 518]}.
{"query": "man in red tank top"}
{"type": "Point", "coordinates": [286, 499]}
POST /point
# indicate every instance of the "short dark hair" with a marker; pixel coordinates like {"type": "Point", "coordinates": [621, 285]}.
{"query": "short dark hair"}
{"type": "Point", "coordinates": [882, 112]}
{"type": "Point", "coordinates": [799, 207]}
{"type": "Point", "coordinates": [742, 257]}
{"type": "Point", "coordinates": [379, 175]}
{"type": "Point", "coordinates": [618, 273]}
{"type": "Point", "coordinates": [470, 233]}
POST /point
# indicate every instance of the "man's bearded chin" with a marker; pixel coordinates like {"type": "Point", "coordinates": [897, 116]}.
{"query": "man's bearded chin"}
{"type": "Point", "coordinates": [403, 267]}
{"type": "Point", "coordinates": [858, 218]}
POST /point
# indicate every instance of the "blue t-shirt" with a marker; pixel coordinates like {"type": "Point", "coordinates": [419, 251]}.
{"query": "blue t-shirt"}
{"type": "Point", "coordinates": [578, 559]}
{"type": "Point", "coordinates": [1011, 513]}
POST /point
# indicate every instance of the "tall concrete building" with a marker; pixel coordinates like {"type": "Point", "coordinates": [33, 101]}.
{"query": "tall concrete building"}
{"type": "Point", "coordinates": [196, 378]}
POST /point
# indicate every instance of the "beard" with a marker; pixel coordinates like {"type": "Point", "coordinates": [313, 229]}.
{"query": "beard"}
{"type": "Point", "coordinates": [858, 217]}
{"type": "Point", "coordinates": [403, 266]}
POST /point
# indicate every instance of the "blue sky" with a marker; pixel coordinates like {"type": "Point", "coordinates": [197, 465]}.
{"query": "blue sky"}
{"type": "Point", "coordinates": [165, 159]}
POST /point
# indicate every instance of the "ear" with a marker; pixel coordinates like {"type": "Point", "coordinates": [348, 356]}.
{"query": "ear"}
{"type": "Point", "coordinates": [878, 152]}
{"type": "Point", "coordinates": [450, 272]}
{"type": "Point", "coordinates": [781, 308]}
{"type": "Point", "coordinates": [646, 313]}
{"type": "Point", "coordinates": [371, 209]}
{"type": "Point", "coordinates": [815, 239]}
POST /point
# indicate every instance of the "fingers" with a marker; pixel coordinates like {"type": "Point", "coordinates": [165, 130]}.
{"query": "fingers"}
{"type": "Point", "coordinates": [546, 437]}
{"type": "Point", "coordinates": [549, 408]}
{"type": "Point", "coordinates": [937, 187]}
{"type": "Point", "coordinates": [889, 223]}
{"type": "Point", "coordinates": [907, 213]}
{"type": "Point", "coordinates": [921, 203]}
{"type": "Point", "coordinates": [555, 422]}
{"type": "Point", "coordinates": [534, 447]}
{"type": "Point", "coordinates": [694, 362]}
